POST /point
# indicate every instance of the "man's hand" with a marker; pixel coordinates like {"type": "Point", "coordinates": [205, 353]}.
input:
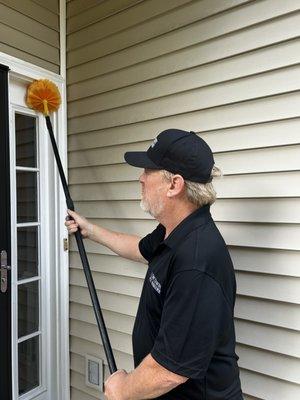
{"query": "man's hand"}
{"type": "Point", "coordinates": [75, 220]}
{"type": "Point", "coordinates": [114, 385]}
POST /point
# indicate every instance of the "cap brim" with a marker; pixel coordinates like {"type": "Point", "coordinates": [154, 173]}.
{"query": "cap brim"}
{"type": "Point", "coordinates": [140, 159]}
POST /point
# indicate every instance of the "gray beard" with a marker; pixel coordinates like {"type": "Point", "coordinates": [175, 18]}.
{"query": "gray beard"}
{"type": "Point", "coordinates": [153, 212]}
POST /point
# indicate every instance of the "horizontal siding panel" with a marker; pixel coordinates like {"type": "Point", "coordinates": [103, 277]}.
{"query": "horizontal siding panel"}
{"type": "Point", "coordinates": [106, 191]}
{"type": "Point", "coordinates": [104, 155]}
{"type": "Point", "coordinates": [278, 340]}
{"type": "Point", "coordinates": [36, 12]}
{"type": "Point", "coordinates": [200, 31]}
{"type": "Point", "coordinates": [29, 26]}
{"type": "Point", "coordinates": [273, 236]}
{"type": "Point", "coordinates": [77, 7]}
{"type": "Point", "coordinates": [275, 184]}
{"type": "Point", "coordinates": [267, 286]}
{"type": "Point", "coordinates": [79, 395]}
{"type": "Point", "coordinates": [284, 315]}
{"type": "Point", "coordinates": [257, 61]}
{"type": "Point", "coordinates": [114, 265]}
{"type": "Point", "coordinates": [194, 98]}
{"type": "Point", "coordinates": [119, 341]}
{"type": "Point", "coordinates": [269, 261]}
{"type": "Point", "coordinates": [265, 387]}
{"type": "Point", "coordinates": [267, 134]}
{"type": "Point", "coordinates": [236, 138]}
{"type": "Point", "coordinates": [260, 160]}
{"type": "Point", "coordinates": [22, 41]}
{"type": "Point", "coordinates": [92, 248]}
{"type": "Point", "coordinates": [277, 365]}
{"type": "Point", "coordinates": [81, 347]}
{"type": "Point", "coordinates": [129, 22]}
{"type": "Point", "coordinates": [260, 35]}
{"type": "Point", "coordinates": [240, 210]}
{"type": "Point", "coordinates": [109, 209]}
{"type": "Point", "coordinates": [77, 363]}
{"type": "Point", "coordinates": [77, 380]}
{"type": "Point", "coordinates": [96, 14]}
{"type": "Point", "coordinates": [51, 66]}
{"type": "Point", "coordinates": [116, 321]}
{"type": "Point", "coordinates": [157, 23]}
{"type": "Point", "coordinates": [116, 284]}
{"type": "Point", "coordinates": [107, 173]}
{"type": "Point", "coordinates": [116, 302]}
{"type": "Point", "coordinates": [271, 108]}
{"type": "Point", "coordinates": [247, 397]}
{"type": "Point", "coordinates": [258, 210]}
{"type": "Point", "coordinates": [52, 5]}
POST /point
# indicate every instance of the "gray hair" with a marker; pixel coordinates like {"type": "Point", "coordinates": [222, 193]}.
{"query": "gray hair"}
{"type": "Point", "coordinates": [199, 193]}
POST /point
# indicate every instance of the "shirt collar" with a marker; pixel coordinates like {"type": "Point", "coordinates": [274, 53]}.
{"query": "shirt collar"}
{"type": "Point", "coordinates": [191, 222]}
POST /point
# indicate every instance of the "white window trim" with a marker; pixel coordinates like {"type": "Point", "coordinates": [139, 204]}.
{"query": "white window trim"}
{"type": "Point", "coordinates": [28, 71]}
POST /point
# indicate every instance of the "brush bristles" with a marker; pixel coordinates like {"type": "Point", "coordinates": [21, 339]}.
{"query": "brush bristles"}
{"type": "Point", "coordinates": [43, 96]}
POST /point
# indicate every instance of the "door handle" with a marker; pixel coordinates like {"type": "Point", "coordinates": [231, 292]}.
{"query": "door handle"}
{"type": "Point", "coordinates": [3, 271]}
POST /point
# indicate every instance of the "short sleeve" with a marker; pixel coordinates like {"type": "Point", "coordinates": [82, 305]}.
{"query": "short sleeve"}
{"type": "Point", "coordinates": [194, 318]}
{"type": "Point", "coordinates": [149, 243]}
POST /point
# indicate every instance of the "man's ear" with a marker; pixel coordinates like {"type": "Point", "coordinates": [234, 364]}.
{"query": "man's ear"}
{"type": "Point", "coordinates": [176, 186]}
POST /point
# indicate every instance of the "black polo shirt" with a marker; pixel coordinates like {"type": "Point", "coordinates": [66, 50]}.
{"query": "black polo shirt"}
{"type": "Point", "coordinates": [185, 314]}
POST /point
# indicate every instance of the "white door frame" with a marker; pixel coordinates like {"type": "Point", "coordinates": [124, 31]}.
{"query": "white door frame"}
{"type": "Point", "coordinates": [27, 71]}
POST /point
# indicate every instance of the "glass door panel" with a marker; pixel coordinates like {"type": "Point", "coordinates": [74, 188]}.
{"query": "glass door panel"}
{"type": "Point", "coordinates": [29, 364]}
{"type": "Point", "coordinates": [26, 145]}
{"type": "Point", "coordinates": [26, 196]}
{"type": "Point", "coordinates": [28, 250]}
{"type": "Point", "coordinates": [28, 308]}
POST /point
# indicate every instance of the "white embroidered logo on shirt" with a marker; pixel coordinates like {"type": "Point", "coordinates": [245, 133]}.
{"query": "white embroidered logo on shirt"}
{"type": "Point", "coordinates": [154, 143]}
{"type": "Point", "coordinates": [154, 282]}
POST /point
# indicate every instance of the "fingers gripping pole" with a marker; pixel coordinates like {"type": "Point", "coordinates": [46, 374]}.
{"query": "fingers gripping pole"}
{"type": "Point", "coordinates": [84, 260]}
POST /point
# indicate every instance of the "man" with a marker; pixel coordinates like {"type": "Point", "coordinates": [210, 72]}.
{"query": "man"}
{"type": "Point", "coordinates": [183, 336]}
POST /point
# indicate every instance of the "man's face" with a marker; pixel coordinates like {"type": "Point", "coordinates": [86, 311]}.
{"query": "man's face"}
{"type": "Point", "coordinates": [154, 188]}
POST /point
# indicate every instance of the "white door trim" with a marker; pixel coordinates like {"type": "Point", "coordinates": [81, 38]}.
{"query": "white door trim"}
{"type": "Point", "coordinates": [29, 72]}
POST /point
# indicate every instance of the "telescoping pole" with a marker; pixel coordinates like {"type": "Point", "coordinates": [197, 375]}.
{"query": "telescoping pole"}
{"type": "Point", "coordinates": [85, 263]}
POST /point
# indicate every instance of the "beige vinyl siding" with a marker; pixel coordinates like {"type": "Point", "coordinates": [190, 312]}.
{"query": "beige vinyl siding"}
{"type": "Point", "coordinates": [230, 71]}
{"type": "Point", "coordinates": [29, 30]}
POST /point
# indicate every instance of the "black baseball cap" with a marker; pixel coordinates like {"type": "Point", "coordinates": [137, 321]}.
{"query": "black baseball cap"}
{"type": "Point", "coordinates": [179, 152]}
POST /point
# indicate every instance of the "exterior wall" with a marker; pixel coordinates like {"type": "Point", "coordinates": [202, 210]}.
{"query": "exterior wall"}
{"type": "Point", "coordinates": [230, 71]}
{"type": "Point", "coordinates": [29, 30]}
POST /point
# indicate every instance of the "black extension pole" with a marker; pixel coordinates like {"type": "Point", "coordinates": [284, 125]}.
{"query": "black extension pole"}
{"type": "Point", "coordinates": [84, 260]}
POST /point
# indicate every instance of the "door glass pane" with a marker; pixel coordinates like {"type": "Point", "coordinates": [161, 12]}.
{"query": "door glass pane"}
{"type": "Point", "coordinates": [27, 252]}
{"type": "Point", "coordinates": [25, 140]}
{"type": "Point", "coordinates": [28, 308]}
{"type": "Point", "coordinates": [28, 364]}
{"type": "Point", "coordinates": [26, 196]}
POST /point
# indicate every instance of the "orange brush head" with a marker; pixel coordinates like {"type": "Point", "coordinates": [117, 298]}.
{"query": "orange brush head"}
{"type": "Point", "coordinates": [43, 96]}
